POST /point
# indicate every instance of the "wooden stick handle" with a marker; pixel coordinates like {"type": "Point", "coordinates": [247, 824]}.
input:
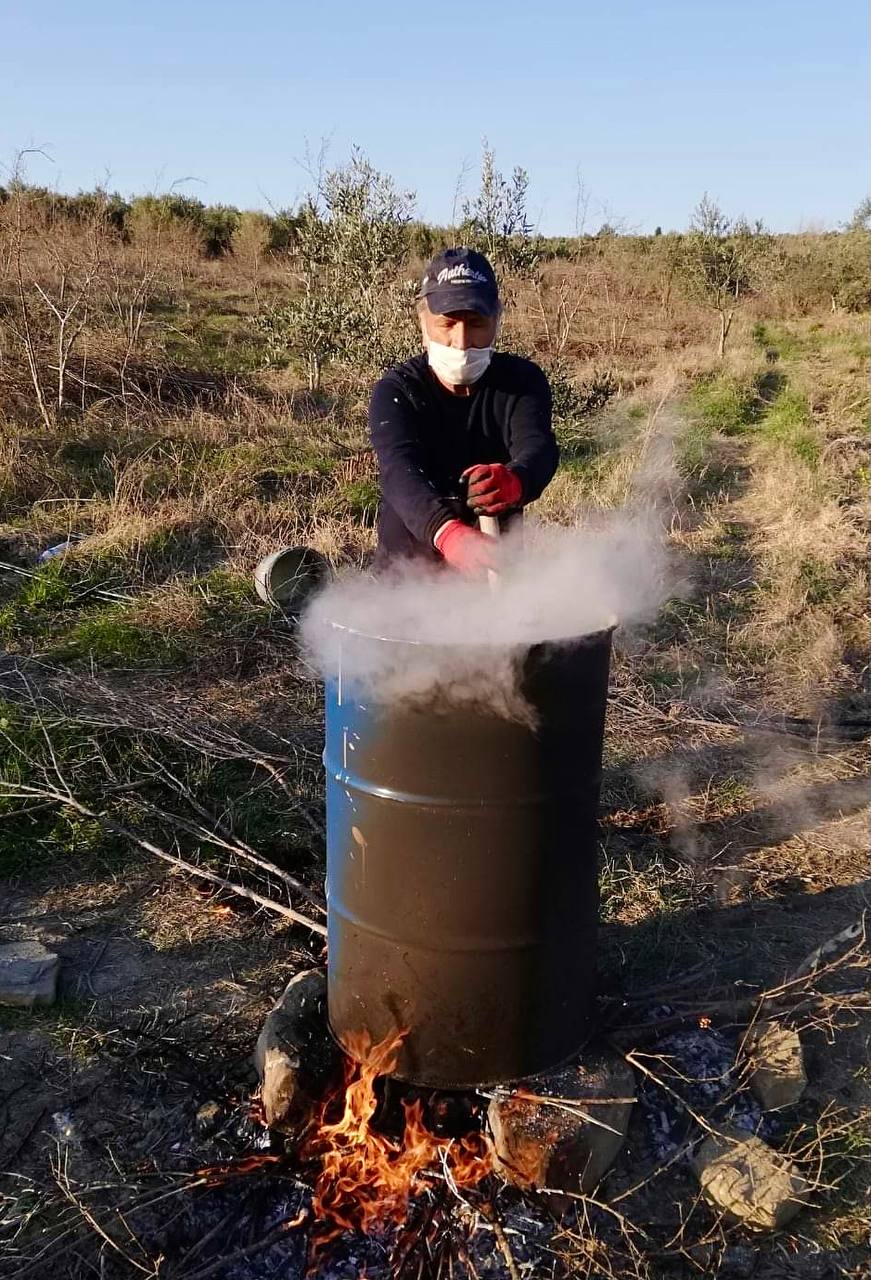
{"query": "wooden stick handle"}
{"type": "Point", "coordinates": [490, 526]}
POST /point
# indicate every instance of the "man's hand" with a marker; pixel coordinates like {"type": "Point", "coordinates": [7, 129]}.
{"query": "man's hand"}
{"type": "Point", "coordinates": [466, 549]}
{"type": "Point", "coordinates": [493, 488]}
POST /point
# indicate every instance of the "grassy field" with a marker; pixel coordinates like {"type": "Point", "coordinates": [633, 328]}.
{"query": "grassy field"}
{"type": "Point", "coordinates": [152, 707]}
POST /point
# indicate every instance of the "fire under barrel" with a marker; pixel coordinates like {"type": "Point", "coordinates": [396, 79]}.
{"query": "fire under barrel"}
{"type": "Point", "coordinates": [462, 869]}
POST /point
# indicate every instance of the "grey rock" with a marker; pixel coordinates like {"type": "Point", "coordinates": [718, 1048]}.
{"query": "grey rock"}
{"type": "Point", "coordinates": [296, 1057]}
{"type": "Point", "coordinates": [551, 1131]}
{"type": "Point", "coordinates": [776, 1066]}
{"type": "Point", "coordinates": [208, 1117]}
{"type": "Point", "coordinates": [28, 974]}
{"type": "Point", "coordinates": [739, 1260]}
{"type": "Point", "coordinates": [748, 1181]}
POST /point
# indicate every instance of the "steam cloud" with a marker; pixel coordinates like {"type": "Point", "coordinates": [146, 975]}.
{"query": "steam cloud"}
{"type": "Point", "coordinates": [464, 638]}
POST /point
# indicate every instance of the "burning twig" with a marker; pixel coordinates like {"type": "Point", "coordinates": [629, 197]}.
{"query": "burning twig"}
{"type": "Point", "coordinates": [415, 1237]}
{"type": "Point", "coordinates": [491, 1216]}
{"type": "Point", "coordinates": [573, 1106]}
{"type": "Point", "coordinates": [367, 1179]}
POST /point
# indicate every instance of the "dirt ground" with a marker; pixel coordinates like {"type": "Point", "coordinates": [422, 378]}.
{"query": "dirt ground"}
{"type": "Point", "coordinates": [708, 899]}
{"type": "Point", "coordinates": [139, 670]}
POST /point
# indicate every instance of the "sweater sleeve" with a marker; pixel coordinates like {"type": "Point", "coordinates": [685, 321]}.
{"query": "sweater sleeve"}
{"type": "Point", "coordinates": [531, 441]}
{"type": "Point", "coordinates": [394, 428]}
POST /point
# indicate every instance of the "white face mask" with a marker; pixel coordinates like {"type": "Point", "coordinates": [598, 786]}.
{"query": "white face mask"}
{"type": "Point", "coordinates": [456, 366]}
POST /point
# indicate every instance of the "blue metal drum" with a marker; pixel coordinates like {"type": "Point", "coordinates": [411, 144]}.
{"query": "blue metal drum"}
{"type": "Point", "coordinates": [462, 869]}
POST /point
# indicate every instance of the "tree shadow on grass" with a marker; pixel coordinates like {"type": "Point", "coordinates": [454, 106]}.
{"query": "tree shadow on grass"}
{"type": "Point", "coordinates": [750, 947]}
{"type": "Point", "coordinates": [743, 895]}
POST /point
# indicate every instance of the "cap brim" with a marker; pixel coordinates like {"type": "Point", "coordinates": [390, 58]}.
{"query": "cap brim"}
{"type": "Point", "coordinates": [463, 297]}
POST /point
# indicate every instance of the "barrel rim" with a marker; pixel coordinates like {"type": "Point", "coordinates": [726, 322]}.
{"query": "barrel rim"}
{"type": "Point", "coordinates": [586, 637]}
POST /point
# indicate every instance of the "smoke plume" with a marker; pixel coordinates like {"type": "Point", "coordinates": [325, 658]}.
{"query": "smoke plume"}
{"type": "Point", "coordinates": [464, 638]}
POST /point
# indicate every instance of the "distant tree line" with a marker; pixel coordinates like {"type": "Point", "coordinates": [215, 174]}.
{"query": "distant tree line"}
{"type": "Point", "coordinates": [349, 257]}
{"type": "Point", "coordinates": [495, 220]}
{"type": "Point", "coordinates": [215, 225]}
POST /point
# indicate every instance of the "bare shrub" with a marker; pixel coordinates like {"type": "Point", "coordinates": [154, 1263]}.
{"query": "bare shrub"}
{"type": "Point", "coordinates": [721, 260]}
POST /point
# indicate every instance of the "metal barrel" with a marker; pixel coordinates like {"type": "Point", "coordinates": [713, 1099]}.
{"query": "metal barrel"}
{"type": "Point", "coordinates": [462, 871]}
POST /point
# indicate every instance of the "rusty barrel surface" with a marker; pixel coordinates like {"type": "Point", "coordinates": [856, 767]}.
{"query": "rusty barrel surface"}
{"type": "Point", "coordinates": [462, 870]}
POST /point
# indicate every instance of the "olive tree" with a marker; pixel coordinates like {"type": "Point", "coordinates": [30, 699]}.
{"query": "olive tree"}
{"type": "Point", "coordinates": [496, 222]}
{"type": "Point", "coordinates": [721, 260]}
{"type": "Point", "coordinates": [349, 239]}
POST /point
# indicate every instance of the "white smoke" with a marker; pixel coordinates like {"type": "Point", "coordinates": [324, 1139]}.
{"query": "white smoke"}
{"type": "Point", "coordinates": [464, 638]}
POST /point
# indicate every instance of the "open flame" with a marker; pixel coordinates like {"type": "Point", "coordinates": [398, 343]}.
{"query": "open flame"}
{"type": "Point", "coordinates": [366, 1179]}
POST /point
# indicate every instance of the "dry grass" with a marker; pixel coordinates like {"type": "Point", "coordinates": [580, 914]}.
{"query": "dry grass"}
{"type": "Point", "coordinates": [732, 835]}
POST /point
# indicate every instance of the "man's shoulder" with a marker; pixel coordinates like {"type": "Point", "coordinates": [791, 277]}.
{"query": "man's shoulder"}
{"type": "Point", "coordinates": [405, 377]}
{"type": "Point", "coordinates": [517, 374]}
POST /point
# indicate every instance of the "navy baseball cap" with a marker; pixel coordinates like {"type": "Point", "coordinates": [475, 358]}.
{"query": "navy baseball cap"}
{"type": "Point", "coordinates": [460, 280]}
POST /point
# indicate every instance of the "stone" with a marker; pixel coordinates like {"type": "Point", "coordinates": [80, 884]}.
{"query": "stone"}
{"type": "Point", "coordinates": [739, 1260]}
{"type": "Point", "coordinates": [748, 1181]}
{"type": "Point", "coordinates": [776, 1073]}
{"type": "Point", "coordinates": [545, 1136]}
{"type": "Point", "coordinates": [28, 974]}
{"type": "Point", "coordinates": [208, 1117]}
{"type": "Point", "coordinates": [296, 1057]}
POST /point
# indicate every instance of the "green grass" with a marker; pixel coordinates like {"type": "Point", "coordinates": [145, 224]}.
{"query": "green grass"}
{"type": "Point", "coordinates": [58, 1020]}
{"type": "Point", "coordinates": [730, 544]}
{"type": "Point", "coordinates": [729, 793]}
{"type": "Point", "coordinates": [227, 593]}
{"type": "Point", "coordinates": [788, 422]}
{"type": "Point", "coordinates": [764, 406]}
{"type": "Point", "coordinates": [183, 545]}
{"type": "Point", "coordinates": [225, 343]}
{"type": "Point", "coordinates": [787, 344]}
{"type": "Point", "coordinates": [34, 837]}
{"type": "Point", "coordinates": [59, 587]}
{"type": "Point", "coordinates": [647, 907]}
{"type": "Point", "coordinates": [121, 635]}
{"type": "Point", "coordinates": [632, 879]}
{"type": "Point", "coordinates": [846, 1154]}
{"type": "Point", "coordinates": [114, 637]}
{"type": "Point", "coordinates": [694, 447]}
{"type": "Point", "coordinates": [716, 406]}
{"type": "Point", "coordinates": [360, 499]}
{"type": "Point", "coordinates": [781, 343]}
{"type": "Point", "coordinates": [52, 586]}
{"type": "Point", "coordinates": [724, 403]}
{"type": "Point", "coordinates": [57, 613]}
{"type": "Point", "coordinates": [277, 457]}
{"type": "Point", "coordinates": [819, 580]}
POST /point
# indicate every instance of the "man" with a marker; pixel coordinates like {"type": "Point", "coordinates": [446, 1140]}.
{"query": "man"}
{"type": "Point", "coordinates": [459, 414]}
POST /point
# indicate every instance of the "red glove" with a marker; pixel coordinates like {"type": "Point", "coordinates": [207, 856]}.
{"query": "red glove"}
{"type": "Point", "coordinates": [493, 488]}
{"type": "Point", "coordinates": [465, 548]}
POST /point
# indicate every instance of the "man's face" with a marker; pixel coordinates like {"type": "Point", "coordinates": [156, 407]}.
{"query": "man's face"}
{"type": "Point", "coordinates": [462, 329]}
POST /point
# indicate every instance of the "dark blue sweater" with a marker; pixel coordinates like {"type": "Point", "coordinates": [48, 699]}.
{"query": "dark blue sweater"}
{"type": "Point", "coordinates": [425, 437]}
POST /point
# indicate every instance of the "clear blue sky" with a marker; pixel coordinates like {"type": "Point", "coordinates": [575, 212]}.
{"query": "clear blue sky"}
{"type": "Point", "coordinates": [763, 103]}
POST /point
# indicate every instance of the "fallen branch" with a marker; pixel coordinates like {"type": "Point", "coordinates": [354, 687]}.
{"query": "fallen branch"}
{"type": "Point", "coordinates": [264, 1242]}
{"type": "Point", "coordinates": [726, 1013]}
{"type": "Point", "coordinates": [239, 851]}
{"type": "Point", "coordinates": [20, 791]}
{"type": "Point", "coordinates": [62, 1180]}
{"type": "Point", "coordinates": [490, 1215]}
{"type": "Point", "coordinates": [237, 846]}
